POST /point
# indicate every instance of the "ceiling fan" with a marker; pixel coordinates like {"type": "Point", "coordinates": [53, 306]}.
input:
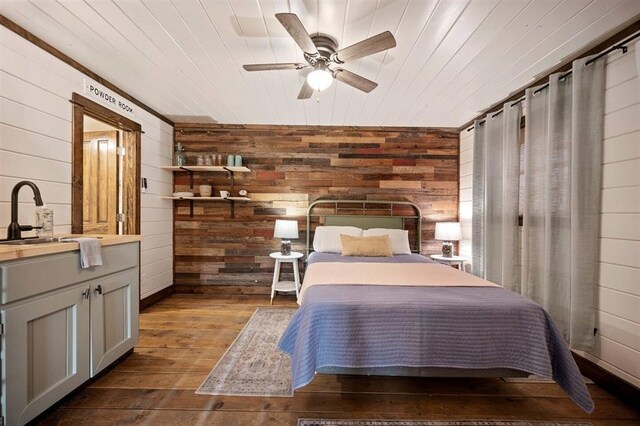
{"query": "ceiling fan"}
{"type": "Point", "coordinates": [320, 51]}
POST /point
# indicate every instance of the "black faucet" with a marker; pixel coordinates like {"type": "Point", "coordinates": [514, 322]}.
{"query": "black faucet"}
{"type": "Point", "coordinates": [14, 229]}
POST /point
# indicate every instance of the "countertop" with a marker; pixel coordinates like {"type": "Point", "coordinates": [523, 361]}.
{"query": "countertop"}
{"type": "Point", "coordinates": [10, 252]}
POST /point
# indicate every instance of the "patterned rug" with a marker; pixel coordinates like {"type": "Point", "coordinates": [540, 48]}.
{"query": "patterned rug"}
{"type": "Point", "coordinates": [253, 365]}
{"type": "Point", "coordinates": [536, 379]}
{"type": "Point", "coordinates": [320, 422]}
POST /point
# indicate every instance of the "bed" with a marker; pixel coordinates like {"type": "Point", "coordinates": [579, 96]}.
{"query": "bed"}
{"type": "Point", "coordinates": [406, 315]}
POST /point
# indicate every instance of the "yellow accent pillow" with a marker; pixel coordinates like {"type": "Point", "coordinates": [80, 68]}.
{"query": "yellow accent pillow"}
{"type": "Point", "coordinates": [379, 245]}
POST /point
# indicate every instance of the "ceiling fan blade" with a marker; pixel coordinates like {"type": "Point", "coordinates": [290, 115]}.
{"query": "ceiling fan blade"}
{"type": "Point", "coordinates": [305, 91]}
{"type": "Point", "coordinates": [375, 44]}
{"type": "Point", "coordinates": [294, 27]}
{"type": "Point", "coordinates": [354, 80]}
{"type": "Point", "coordinates": [268, 67]}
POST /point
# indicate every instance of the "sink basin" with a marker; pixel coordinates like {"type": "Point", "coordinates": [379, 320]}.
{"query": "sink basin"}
{"type": "Point", "coordinates": [29, 241]}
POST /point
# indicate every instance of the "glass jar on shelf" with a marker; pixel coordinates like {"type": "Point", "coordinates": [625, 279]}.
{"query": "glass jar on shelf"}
{"type": "Point", "coordinates": [179, 158]}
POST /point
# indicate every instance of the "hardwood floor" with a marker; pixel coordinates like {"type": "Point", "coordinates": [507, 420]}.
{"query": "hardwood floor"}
{"type": "Point", "coordinates": [182, 337]}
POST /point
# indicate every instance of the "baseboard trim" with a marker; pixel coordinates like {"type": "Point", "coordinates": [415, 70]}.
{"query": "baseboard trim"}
{"type": "Point", "coordinates": [223, 290]}
{"type": "Point", "coordinates": [155, 297]}
{"type": "Point", "coordinates": [607, 380]}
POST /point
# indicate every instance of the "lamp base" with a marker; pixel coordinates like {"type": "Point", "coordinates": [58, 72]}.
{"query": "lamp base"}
{"type": "Point", "coordinates": [447, 249]}
{"type": "Point", "coordinates": [285, 248]}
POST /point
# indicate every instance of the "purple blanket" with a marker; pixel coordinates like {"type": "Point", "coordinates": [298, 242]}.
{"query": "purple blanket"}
{"type": "Point", "coordinates": [458, 327]}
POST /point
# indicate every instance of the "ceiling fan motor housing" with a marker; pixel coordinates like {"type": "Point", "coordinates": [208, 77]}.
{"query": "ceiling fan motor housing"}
{"type": "Point", "coordinates": [326, 46]}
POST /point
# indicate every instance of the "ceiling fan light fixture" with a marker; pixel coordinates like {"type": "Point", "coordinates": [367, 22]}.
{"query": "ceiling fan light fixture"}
{"type": "Point", "coordinates": [320, 79]}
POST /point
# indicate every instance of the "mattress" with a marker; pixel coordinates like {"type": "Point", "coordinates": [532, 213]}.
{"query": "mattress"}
{"type": "Point", "coordinates": [422, 327]}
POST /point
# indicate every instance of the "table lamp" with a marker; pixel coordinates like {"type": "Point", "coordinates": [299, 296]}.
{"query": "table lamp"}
{"type": "Point", "coordinates": [286, 229]}
{"type": "Point", "coordinates": [448, 232]}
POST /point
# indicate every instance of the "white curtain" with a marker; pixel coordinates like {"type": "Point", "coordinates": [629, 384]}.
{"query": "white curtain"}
{"type": "Point", "coordinates": [502, 164]}
{"type": "Point", "coordinates": [510, 273]}
{"type": "Point", "coordinates": [637, 48]}
{"type": "Point", "coordinates": [495, 199]}
{"type": "Point", "coordinates": [563, 162]}
{"type": "Point", "coordinates": [478, 204]}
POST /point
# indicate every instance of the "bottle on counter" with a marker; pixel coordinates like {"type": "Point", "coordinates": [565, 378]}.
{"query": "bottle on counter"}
{"type": "Point", "coordinates": [44, 221]}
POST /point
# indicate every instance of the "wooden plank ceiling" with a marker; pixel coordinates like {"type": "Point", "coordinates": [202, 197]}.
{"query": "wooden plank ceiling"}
{"type": "Point", "coordinates": [454, 58]}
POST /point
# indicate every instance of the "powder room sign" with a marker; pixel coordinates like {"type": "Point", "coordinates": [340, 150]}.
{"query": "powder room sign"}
{"type": "Point", "coordinates": [109, 98]}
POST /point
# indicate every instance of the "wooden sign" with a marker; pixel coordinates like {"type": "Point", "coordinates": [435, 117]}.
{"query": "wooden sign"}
{"type": "Point", "coordinates": [109, 98]}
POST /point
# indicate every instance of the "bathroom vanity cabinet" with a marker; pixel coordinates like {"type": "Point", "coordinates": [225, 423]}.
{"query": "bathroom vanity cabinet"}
{"type": "Point", "coordinates": [62, 325]}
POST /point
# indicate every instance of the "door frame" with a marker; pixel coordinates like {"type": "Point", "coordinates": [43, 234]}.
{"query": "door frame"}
{"type": "Point", "coordinates": [81, 107]}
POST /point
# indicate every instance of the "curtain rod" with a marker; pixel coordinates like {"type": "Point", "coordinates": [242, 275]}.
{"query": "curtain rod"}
{"type": "Point", "coordinates": [497, 113]}
{"type": "Point", "coordinates": [620, 46]}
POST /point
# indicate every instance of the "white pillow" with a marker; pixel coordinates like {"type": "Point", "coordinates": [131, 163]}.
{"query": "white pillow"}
{"type": "Point", "coordinates": [399, 238]}
{"type": "Point", "coordinates": [327, 238]}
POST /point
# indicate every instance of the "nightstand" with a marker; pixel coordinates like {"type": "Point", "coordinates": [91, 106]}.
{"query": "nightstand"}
{"type": "Point", "coordinates": [450, 260]}
{"type": "Point", "coordinates": [278, 285]}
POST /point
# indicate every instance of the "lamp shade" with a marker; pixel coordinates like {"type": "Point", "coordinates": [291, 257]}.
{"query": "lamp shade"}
{"type": "Point", "coordinates": [320, 79]}
{"type": "Point", "coordinates": [448, 231]}
{"type": "Point", "coordinates": [286, 229]}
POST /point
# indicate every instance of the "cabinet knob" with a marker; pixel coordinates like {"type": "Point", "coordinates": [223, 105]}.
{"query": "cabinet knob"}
{"type": "Point", "coordinates": [98, 289]}
{"type": "Point", "coordinates": [86, 293]}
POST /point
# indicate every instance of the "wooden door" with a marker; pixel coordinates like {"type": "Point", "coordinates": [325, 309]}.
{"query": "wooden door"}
{"type": "Point", "coordinates": [114, 317]}
{"type": "Point", "coordinates": [46, 351]}
{"type": "Point", "coordinates": [100, 182]}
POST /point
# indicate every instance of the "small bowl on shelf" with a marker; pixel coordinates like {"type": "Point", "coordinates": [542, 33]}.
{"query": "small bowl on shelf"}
{"type": "Point", "coordinates": [183, 194]}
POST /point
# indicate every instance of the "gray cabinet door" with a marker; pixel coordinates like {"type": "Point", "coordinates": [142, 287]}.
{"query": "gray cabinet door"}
{"type": "Point", "coordinates": [45, 352]}
{"type": "Point", "coordinates": [114, 317]}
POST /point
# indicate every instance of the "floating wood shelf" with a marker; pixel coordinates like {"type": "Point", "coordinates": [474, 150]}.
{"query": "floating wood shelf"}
{"type": "Point", "coordinates": [240, 169]}
{"type": "Point", "coordinates": [194, 198]}
{"type": "Point", "coordinates": [224, 169]}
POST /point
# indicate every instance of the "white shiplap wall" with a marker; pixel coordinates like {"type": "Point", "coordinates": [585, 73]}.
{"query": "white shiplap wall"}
{"type": "Point", "coordinates": [618, 342]}
{"type": "Point", "coordinates": [35, 144]}
{"type": "Point", "coordinates": [618, 312]}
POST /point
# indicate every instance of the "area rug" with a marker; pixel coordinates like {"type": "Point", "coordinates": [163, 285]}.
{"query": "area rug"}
{"type": "Point", "coordinates": [321, 422]}
{"type": "Point", "coordinates": [253, 365]}
{"type": "Point", "coordinates": [536, 379]}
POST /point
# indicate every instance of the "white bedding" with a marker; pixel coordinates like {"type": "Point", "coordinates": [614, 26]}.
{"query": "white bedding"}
{"type": "Point", "coordinates": [393, 274]}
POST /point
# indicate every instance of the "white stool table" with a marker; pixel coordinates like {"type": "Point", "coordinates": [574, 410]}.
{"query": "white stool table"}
{"type": "Point", "coordinates": [450, 260]}
{"type": "Point", "coordinates": [278, 285]}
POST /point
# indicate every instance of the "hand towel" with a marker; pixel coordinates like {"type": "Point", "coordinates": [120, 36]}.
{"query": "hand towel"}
{"type": "Point", "coordinates": [89, 251]}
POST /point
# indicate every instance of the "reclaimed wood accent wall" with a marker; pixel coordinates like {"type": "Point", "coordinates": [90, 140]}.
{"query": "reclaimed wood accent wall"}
{"type": "Point", "coordinates": [292, 166]}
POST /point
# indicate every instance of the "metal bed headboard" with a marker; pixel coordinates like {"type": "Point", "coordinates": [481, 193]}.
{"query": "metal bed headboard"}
{"type": "Point", "coordinates": [357, 213]}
